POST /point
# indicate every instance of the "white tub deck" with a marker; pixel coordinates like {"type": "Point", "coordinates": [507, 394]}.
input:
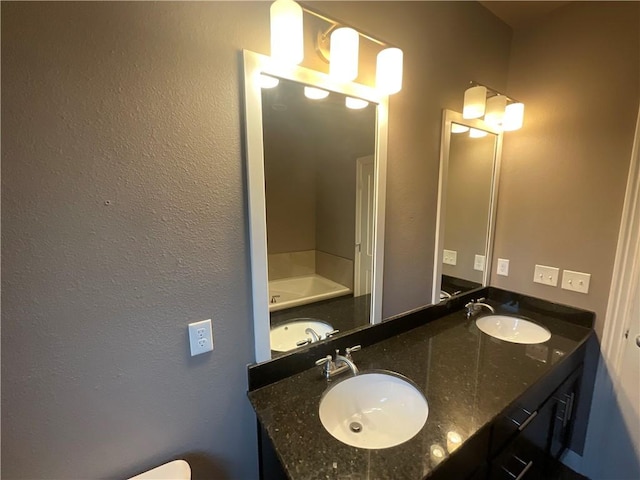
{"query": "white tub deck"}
{"type": "Point", "coordinates": [296, 291]}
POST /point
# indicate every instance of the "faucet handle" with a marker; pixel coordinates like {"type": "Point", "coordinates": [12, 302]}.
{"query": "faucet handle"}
{"type": "Point", "coordinates": [326, 360]}
{"type": "Point", "coordinates": [306, 341]}
{"type": "Point", "coordinates": [350, 350]}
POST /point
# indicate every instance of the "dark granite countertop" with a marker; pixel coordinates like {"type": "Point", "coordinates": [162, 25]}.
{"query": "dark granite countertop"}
{"type": "Point", "coordinates": [467, 377]}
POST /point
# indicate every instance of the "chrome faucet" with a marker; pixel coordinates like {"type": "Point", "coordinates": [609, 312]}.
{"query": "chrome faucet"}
{"type": "Point", "coordinates": [332, 367]}
{"type": "Point", "coordinates": [475, 306]}
{"type": "Point", "coordinates": [314, 336]}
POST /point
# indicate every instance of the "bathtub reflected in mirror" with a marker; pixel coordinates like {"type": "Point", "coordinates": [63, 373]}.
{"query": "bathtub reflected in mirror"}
{"type": "Point", "coordinates": [316, 172]}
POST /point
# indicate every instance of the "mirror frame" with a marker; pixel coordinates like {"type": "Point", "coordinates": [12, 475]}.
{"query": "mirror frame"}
{"type": "Point", "coordinates": [449, 117]}
{"type": "Point", "coordinates": [254, 65]}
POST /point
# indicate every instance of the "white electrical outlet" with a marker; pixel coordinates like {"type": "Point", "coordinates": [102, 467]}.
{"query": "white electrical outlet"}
{"type": "Point", "coordinates": [478, 263]}
{"type": "Point", "coordinates": [200, 337]}
{"type": "Point", "coordinates": [503, 267]}
{"type": "Point", "coordinates": [546, 275]}
{"type": "Point", "coordinates": [450, 257]}
{"type": "Point", "coordinates": [576, 281]}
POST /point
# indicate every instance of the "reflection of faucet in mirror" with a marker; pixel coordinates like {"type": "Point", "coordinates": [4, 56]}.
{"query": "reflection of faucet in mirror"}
{"type": "Point", "coordinates": [468, 175]}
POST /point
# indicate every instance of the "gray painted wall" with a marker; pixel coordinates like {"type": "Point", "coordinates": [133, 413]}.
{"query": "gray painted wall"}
{"type": "Point", "coordinates": [124, 218]}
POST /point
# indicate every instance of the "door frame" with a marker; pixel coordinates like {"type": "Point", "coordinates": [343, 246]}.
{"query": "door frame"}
{"type": "Point", "coordinates": [357, 260]}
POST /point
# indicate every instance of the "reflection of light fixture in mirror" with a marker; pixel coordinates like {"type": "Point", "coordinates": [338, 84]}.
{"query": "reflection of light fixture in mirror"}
{"type": "Point", "coordinates": [355, 103]}
{"type": "Point", "coordinates": [437, 454]}
{"type": "Point", "coordinates": [267, 81]}
{"type": "Point", "coordinates": [389, 70]}
{"type": "Point", "coordinates": [494, 113]}
{"type": "Point", "coordinates": [287, 45]}
{"type": "Point", "coordinates": [475, 99]}
{"type": "Point", "coordinates": [475, 133]}
{"type": "Point", "coordinates": [457, 128]}
{"type": "Point", "coordinates": [454, 440]}
{"type": "Point", "coordinates": [344, 54]}
{"type": "Point", "coordinates": [513, 117]}
{"type": "Point", "coordinates": [315, 93]}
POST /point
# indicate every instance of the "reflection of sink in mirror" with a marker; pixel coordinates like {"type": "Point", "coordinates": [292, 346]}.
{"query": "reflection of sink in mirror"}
{"type": "Point", "coordinates": [291, 292]}
{"type": "Point", "coordinates": [286, 337]}
{"type": "Point", "coordinates": [373, 410]}
{"type": "Point", "coordinates": [513, 329]}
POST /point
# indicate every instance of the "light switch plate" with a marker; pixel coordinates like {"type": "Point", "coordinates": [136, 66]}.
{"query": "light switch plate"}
{"type": "Point", "coordinates": [576, 281]}
{"type": "Point", "coordinates": [546, 275]}
{"type": "Point", "coordinates": [478, 263]}
{"type": "Point", "coordinates": [503, 267]}
{"type": "Point", "coordinates": [450, 257]}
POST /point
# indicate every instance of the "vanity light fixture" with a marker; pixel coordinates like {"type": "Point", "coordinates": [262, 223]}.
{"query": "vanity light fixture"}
{"type": "Point", "coordinates": [287, 45]}
{"type": "Point", "coordinates": [267, 81]}
{"type": "Point", "coordinates": [457, 128]}
{"type": "Point", "coordinates": [314, 93]}
{"type": "Point", "coordinates": [338, 45]}
{"type": "Point", "coordinates": [344, 54]}
{"type": "Point", "coordinates": [475, 133]}
{"type": "Point", "coordinates": [513, 117]}
{"type": "Point", "coordinates": [475, 99]}
{"type": "Point", "coordinates": [499, 110]}
{"type": "Point", "coordinates": [494, 113]}
{"type": "Point", "coordinates": [355, 103]}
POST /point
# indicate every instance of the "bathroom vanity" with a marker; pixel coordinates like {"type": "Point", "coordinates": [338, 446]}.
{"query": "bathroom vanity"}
{"type": "Point", "coordinates": [496, 409]}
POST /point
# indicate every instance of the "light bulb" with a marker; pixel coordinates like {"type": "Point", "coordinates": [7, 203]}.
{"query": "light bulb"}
{"type": "Point", "coordinates": [389, 70]}
{"type": "Point", "coordinates": [513, 117]}
{"type": "Point", "coordinates": [287, 46]}
{"type": "Point", "coordinates": [494, 113]}
{"type": "Point", "coordinates": [454, 440]}
{"type": "Point", "coordinates": [343, 64]}
{"type": "Point", "coordinates": [475, 99]}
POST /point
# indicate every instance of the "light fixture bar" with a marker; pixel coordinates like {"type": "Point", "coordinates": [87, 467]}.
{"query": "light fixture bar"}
{"type": "Point", "coordinates": [339, 23]}
{"type": "Point", "coordinates": [493, 91]}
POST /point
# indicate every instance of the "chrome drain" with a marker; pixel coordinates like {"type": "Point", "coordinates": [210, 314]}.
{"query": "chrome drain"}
{"type": "Point", "coordinates": [355, 427]}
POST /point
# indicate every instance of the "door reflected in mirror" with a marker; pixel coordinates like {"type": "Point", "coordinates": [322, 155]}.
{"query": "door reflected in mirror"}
{"type": "Point", "coordinates": [469, 165]}
{"type": "Point", "coordinates": [316, 173]}
{"type": "Point", "coordinates": [319, 190]}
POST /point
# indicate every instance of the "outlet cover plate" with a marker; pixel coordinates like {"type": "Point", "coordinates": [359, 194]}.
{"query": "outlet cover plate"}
{"type": "Point", "coordinates": [450, 257]}
{"type": "Point", "coordinates": [576, 281]}
{"type": "Point", "coordinates": [503, 267]}
{"type": "Point", "coordinates": [546, 275]}
{"type": "Point", "coordinates": [478, 263]}
{"type": "Point", "coordinates": [200, 337]}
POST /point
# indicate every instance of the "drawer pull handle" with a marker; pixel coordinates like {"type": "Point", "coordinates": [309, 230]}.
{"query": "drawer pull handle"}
{"type": "Point", "coordinates": [524, 470]}
{"type": "Point", "coordinates": [523, 425]}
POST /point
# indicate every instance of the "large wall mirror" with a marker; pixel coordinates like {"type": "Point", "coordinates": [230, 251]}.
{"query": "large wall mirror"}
{"type": "Point", "coordinates": [469, 171]}
{"type": "Point", "coordinates": [316, 154]}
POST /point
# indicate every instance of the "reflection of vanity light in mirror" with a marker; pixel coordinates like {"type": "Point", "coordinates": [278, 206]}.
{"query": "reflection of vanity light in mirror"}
{"type": "Point", "coordinates": [476, 133]}
{"type": "Point", "coordinates": [355, 103]}
{"type": "Point", "coordinates": [267, 81]}
{"type": "Point", "coordinates": [456, 128]}
{"type": "Point", "coordinates": [437, 454]}
{"type": "Point", "coordinates": [340, 39]}
{"type": "Point", "coordinates": [454, 440]}
{"type": "Point", "coordinates": [315, 93]}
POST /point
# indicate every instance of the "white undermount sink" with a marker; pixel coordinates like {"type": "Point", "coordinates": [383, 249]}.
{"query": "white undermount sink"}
{"type": "Point", "coordinates": [373, 410]}
{"type": "Point", "coordinates": [286, 336]}
{"type": "Point", "coordinates": [513, 329]}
